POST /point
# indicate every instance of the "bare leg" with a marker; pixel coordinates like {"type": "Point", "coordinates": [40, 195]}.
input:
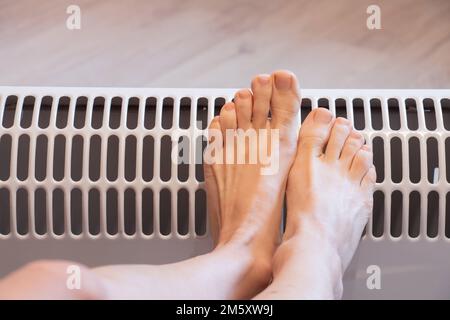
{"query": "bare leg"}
{"type": "Point", "coordinates": [329, 199]}
{"type": "Point", "coordinates": [244, 207]}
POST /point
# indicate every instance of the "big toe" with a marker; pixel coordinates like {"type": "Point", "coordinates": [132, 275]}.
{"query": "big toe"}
{"type": "Point", "coordinates": [285, 101]}
{"type": "Point", "coordinates": [315, 132]}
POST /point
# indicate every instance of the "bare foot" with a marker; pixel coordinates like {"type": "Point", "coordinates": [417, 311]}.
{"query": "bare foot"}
{"type": "Point", "coordinates": [331, 182]}
{"type": "Point", "coordinates": [329, 200]}
{"type": "Point", "coordinates": [244, 205]}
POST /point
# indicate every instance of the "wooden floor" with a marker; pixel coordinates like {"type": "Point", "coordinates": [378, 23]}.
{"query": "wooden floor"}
{"type": "Point", "coordinates": [222, 43]}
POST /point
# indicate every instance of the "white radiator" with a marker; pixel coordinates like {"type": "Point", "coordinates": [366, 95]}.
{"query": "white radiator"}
{"type": "Point", "coordinates": [85, 174]}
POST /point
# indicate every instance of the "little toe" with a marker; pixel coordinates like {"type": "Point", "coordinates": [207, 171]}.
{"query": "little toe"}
{"type": "Point", "coordinates": [352, 145]}
{"type": "Point", "coordinates": [361, 163]}
{"type": "Point", "coordinates": [369, 180]}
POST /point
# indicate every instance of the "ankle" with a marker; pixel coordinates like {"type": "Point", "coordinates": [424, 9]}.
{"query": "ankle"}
{"type": "Point", "coordinates": [311, 250]}
{"type": "Point", "coordinates": [256, 267]}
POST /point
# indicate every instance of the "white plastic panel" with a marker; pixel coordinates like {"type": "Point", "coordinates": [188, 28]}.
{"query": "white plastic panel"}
{"type": "Point", "coordinates": [81, 172]}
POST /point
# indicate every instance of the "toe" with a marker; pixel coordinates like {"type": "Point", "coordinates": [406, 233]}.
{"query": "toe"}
{"type": "Point", "coordinates": [214, 129]}
{"type": "Point", "coordinates": [315, 131]}
{"type": "Point", "coordinates": [243, 102]}
{"type": "Point", "coordinates": [368, 181]}
{"type": "Point", "coordinates": [262, 93]}
{"type": "Point", "coordinates": [339, 133]}
{"type": "Point", "coordinates": [227, 119]}
{"type": "Point", "coordinates": [213, 152]}
{"type": "Point", "coordinates": [211, 182]}
{"type": "Point", "coordinates": [361, 163]}
{"type": "Point", "coordinates": [352, 145]}
{"type": "Point", "coordinates": [285, 102]}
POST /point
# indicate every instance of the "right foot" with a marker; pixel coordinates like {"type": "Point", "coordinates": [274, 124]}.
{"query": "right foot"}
{"type": "Point", "coordinates": [329, 199]}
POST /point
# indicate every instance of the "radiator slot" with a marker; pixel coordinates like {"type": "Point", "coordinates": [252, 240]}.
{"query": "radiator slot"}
{"type": "Point", "coordinates": [396, 160]}
{"type": "Point", "coordinates": [411, 113]}
{"type": "Point", "coordinates": [94, 212]}
{"type": "Point", "coordinates": [5, 156]}
{"type": "Point", "coordinates": [76, 170]}
{"type": "Point", "coordinates": [41, 157]}
{"type": "Point", "coordinates": [165, 211]}
{"type": "Point", "coordinates": [147, 211]}
{"type": "Point", "coordinates": [432, 160]}
{"type": "Point", "coordinates": [112, 212]}
{"type": "Point", "coordinates": [22, 211]}
{"type": "Point", "coordinates": [185, 113]}
{"type": "Point", "coordinates": [358, 114]}
{"type": "Point", "coordinates": [394, 114]}
{"type": "Point", "coordinates": [378, 213]}
{"type": "Point", "coordinates": [433, 214]}
{"type": "Point", "coordinates": [414, 214]}
{"type": "Point", "coordinates": [23, 157]}
{"type": "Point", "coordinates": [130, 158]}
{"type": "Point", "coordinates": [44, 112]}
{"type": "Point", "coordinates": [305, 109]}
{"type": "Point", "coordinates": [396, 213]}
{"type": "Point", "coordinates": [430, 114]}
{"type": "Point", "coordinates": [414, 155]}
{"type": "Point", "coordinates": [76, 212]}
{"type": "Point", "coordinates": [27, 111]}
{"type": "Point", "coordinates": [341, 108]}
{"type": "Point", "coordinates": [129, 208]}
{"type": "Point", "coordinates": [183, 211]}
{"type": "Point", "coordinates": [58, 211]}
{"type": "Point", "coordinates": [9, 113]}
{"type": "Point", "coordinates": [376, 116]}
{"type": "Point", "coordinates": [148, 158]}
{"type": "Point", "coordinates": [40, 211]}
{"type": "Point", "coordinates": [115, 112]}
{"type": "Point", "coordinates": [63, 112]}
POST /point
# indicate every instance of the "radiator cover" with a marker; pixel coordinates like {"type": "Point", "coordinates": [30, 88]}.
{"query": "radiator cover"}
{"type": "Point", "coordinates": [85, 174]}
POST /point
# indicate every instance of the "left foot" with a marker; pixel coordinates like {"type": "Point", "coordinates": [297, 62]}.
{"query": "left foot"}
{"type": "Point", "coordinates": [244, 205]}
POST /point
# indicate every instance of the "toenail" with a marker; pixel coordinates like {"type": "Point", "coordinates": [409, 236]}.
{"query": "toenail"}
{"type": "Point", "coordinates": [323, 116]}
{"type": "Point", "coordinates": [264, 79]}
{"type": "Point", "coordinates": [283, 82]}
{"type": "Point", "coordinates": [243, 94]}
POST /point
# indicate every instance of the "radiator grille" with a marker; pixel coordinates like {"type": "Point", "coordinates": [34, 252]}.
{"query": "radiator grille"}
{"type": "Point", "coordinates": [95, 162]}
